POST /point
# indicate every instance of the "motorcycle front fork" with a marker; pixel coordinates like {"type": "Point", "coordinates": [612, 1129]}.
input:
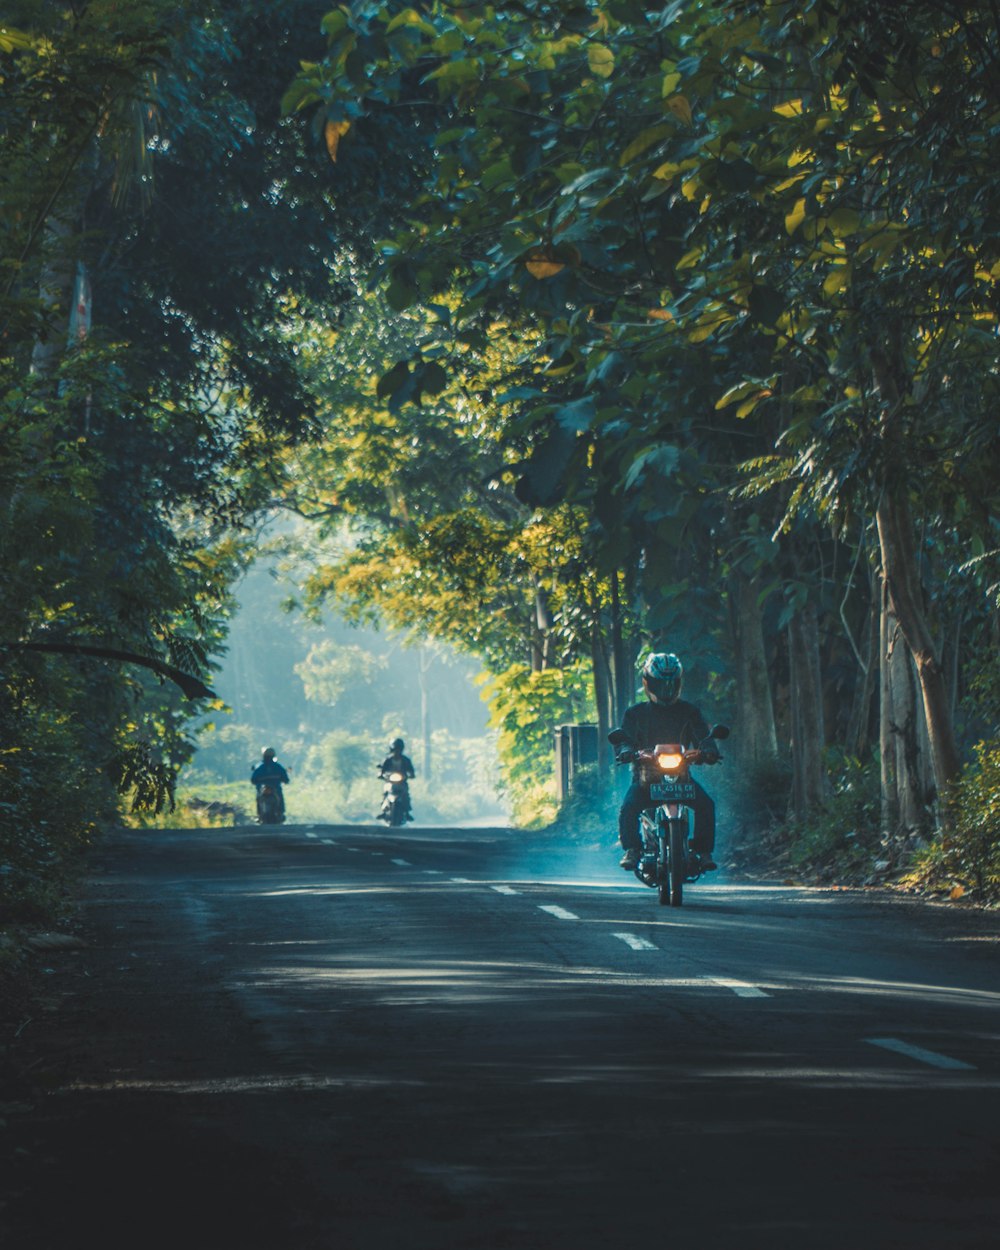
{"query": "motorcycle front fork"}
{"type": "Point", "coordinates": [647, 867]}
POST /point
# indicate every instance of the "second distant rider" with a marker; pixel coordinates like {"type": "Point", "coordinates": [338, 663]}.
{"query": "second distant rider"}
{"type": "Point", "coordinates": [397, 762]}
{"type": "Point", "coordinates": [270, 772]}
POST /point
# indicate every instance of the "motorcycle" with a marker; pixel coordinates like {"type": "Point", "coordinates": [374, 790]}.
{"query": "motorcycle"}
{"type": "Point", "coordinates": [395, 809]}
{"type": "Point", "coordinates": [269, 810]}
{"type": "Point", "coordinates": [668, 862]}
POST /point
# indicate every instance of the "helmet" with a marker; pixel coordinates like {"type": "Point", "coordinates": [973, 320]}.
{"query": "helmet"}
{"type": "Point", "coordinates": [663, 676]}
{"type": "Point", "coordinates": [397, 744]}
{"type": "Point", "coordinates": [268, 753]}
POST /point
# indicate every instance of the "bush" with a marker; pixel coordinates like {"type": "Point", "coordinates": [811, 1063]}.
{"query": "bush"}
{"type": "Point", "coordinates": [967, 857]}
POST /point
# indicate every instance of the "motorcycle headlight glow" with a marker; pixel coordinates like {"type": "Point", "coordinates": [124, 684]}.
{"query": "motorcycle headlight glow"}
{"type": "Point", "coordinates": [395, 776]}
{"type": "Point", "coordinates": [669, 760]}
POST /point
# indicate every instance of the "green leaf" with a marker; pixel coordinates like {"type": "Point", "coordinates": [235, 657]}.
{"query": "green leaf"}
{"type": "Point", "coordinates": [601, 60]}
{"type": "Point", "coordinates": [795, 218]}
{"type": "Point", "coordinates": [645, 139]}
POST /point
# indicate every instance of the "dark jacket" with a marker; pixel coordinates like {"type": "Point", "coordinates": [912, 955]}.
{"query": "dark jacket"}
{"type": "Point", "coordinates": [652, 724]}
{"type": "Point", "coordinates": [398, 764]}
{"type": "Point", "coordinates": [269, 771]}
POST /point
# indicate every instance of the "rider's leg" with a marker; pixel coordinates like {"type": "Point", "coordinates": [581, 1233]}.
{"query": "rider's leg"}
{"type": "Point", "coordinates": [636, 798]}
{"type": "Point", "coordinates": [703, 841]}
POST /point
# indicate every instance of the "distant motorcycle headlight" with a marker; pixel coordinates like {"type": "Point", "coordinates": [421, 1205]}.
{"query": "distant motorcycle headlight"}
{"type": "Point", "coordinates": [395, 776]}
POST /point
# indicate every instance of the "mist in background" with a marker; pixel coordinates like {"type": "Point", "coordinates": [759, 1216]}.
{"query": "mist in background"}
{"type": "Point", "coordinates": [330, 698]}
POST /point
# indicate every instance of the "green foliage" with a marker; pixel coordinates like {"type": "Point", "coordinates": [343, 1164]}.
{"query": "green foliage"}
{"type": "Point", "coordinates": [340, 758]}
{"type": "Point", "coordinates": [842, 839]}
{"type": "Point", "coordinates": [967, 858]}
{"type": "Point", "coordinates": [525, 709]}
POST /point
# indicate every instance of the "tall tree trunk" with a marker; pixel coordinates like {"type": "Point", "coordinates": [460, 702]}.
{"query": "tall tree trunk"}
{"type": "Point", "coordinates": [602, 696]}
{"type": "Point", "coordinates": [622, 659]}
{"type": "Point", "coordinates": [900, 565]}
{"type": "Point", "coordinates": [756, 734]}
{"type": "Point", "coordinates": [906, 734]}
{"type": "Point", "coordinates": [859, 725]}
{"type": "Point", "coordinates": [887, 748]}
{"type": "Point", "coordinates": [808, 777]}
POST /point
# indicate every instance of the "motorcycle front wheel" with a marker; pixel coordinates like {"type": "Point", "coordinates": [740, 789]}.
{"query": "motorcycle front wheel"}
{"type": "Point", "coordinates": [677, 859]}
{"type": "Point", "coordinates": [663, 868]}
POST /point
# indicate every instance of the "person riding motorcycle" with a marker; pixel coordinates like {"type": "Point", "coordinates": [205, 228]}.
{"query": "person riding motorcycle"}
{"type": "Point", "coordinates": [270, 772]}
{"type": "Point", "coordinates": [666, 717]}
{"type": "Point", "coordinates": [397, 762]}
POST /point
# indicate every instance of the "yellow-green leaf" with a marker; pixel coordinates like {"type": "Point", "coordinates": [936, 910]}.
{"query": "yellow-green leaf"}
{"type": "Point", "coordinates": [838, 279]}
{"type": "Point", "coordinates": [795, 218]}
{"type": "Point", "coordinates": [670, 84]}
{"type": "Point", "coordinates": [332, 132]}
{"type": "Point", "coordinates": [601, 60]}
{"type": "Point", "coordinates": [681, 109]}
{"type": "Point", "coordinates": [843, 221]}
{"type": "Point", "coordinates": [645, 139]}
{"type": "Point", "coordinates": [791, 108]}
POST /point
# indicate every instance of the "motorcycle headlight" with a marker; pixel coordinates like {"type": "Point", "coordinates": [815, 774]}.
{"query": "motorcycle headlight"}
{"type": "Point", "coordinates": [669, 761]}
{"type": "Point", "coordinates": [395, 776]}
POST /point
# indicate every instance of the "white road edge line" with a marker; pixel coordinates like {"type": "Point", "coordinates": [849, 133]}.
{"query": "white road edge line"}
{"type": "Point", "coordinates": [917, 1052]}
{"type": "Point", "coordinates": [637, 943]}
{"type": "Point", "coordinates": [742, 989]}
{"type": "Point", "coordinates": [462, 880]}
{"type": "Point", "coordinates": [504, 889]}
{"type": "Point", "coordinates": [560, 913]}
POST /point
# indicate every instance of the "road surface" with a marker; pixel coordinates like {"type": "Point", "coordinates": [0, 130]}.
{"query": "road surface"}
{"type": "Point", "coordinates": [317, 1037]}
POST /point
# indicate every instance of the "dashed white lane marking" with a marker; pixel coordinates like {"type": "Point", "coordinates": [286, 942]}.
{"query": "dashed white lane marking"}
{"type": "Point", "coordinates": [328, 841]}
{"type": "Point", "coordinates": [433, 872]}
{"type": "Point", "coordinates": [560, 913]}
{"type": "Point", "coordinates": [742, 989]}
{"type": "Point", "coordinates": [312, 835]}
{"type": "Point", "coordinates": [504, 889]}
{"type": "Point", "coordinates": [403, 863]}
{"type": "Point", "coordinates": [355, 850]}
{"type": "Point", "coordinates": [637, 943]}
{"type": "Point", "coordinates": [917, 1052]}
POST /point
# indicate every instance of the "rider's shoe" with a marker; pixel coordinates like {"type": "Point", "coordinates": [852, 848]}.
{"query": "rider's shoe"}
{"type": "Point", "coordinates": [630, 859]}
{"type": "Point", "coordinates": [704, 861]}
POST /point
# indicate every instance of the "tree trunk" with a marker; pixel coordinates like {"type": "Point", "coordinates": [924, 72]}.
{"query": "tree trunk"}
{"type": "Point", "coordinates": [906, 735]}
{"type": "Point", "coordinates": [859, 726]}
{"type": "Point", "coordinates": [622, 660]}
{"type": "Point", "coordinates": [756, 734]}
{"type": "Point", "coordinates": [602, 696]}
{"type": "Point", "coordinates": [900, 565]}
{"type": "Point", "coordinates": [808, 778]}
{"type": "Point", "coordinates": [887, 749]}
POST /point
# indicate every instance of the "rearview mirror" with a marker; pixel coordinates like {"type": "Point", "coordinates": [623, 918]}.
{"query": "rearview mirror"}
{"type": "Point", "coordinates": [720, 731]}
{"type": "Point", "coordinates": [618, 736]}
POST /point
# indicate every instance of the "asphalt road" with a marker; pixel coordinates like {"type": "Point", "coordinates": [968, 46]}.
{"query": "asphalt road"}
{"type": "Point", "coordinates": [319, 1037]}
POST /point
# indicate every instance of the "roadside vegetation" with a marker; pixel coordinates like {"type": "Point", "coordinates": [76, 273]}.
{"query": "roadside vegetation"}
{"type": "Point", "coordinates": [548, 334]}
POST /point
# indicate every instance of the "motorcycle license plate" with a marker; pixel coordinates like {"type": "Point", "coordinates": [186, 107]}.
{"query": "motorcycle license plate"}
{"type": "Point", "coordinates": [672, 791]}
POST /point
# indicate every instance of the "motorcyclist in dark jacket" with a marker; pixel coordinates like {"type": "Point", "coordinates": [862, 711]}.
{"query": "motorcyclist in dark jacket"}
{"type": "Point", "coordinates": [270, 772]}
{"type": "Point", "coordinates": [665, 718]}
{"type": "Point", "coordinates": [397, 762]}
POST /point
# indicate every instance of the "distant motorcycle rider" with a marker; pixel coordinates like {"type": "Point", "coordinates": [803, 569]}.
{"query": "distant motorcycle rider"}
{"type": "Point", "coordinates": [397, 762]}
{"type": "Point", "coordinates": [666, 718]}
{"type": "Point", "coordinates": [270, 772]}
